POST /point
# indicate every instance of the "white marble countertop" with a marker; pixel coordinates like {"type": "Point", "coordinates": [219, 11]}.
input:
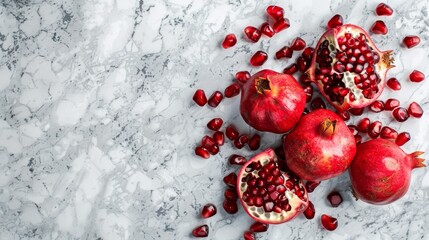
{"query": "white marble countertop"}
{"type": "Point", "coordinates": [98, 127]}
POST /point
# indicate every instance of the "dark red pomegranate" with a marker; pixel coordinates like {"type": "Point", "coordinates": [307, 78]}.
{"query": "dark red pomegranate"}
{"type": "Point", "coordinates": [230, 180]}
{"type": "Point", "coordinates": [298, 44]}
{"type": "Point", "coordinates": [310, 186]}
{"type": "Point", "coordinates": [275, 12]}
{"type": "Point", "coordinates": [201, 231]}
{"type": "Point", "coordinates": [215, 99]}
{"type": "Point", "coordinates": [391, 104]}
{"type": "Point", "coordinates": [232, 90]}
{"type": "Point", "coordinates": [252, 33]}
{"type": "Point", "coordinates": [267, 30]}
{"type": "Point", "coordinates": [394, 84]}
{"type": "Point", "coordinates": [388, 133]}
{"type": "Point", "coordinates": [248, 235]}
{"type": "Point", "coordinates": [281, 25]}
{"type": "Point", "coordinates": [417, 76]}
{"type": "Point", "coordinates": [291, 69]}
{"type": "Point", "coordinates": [259, 227]}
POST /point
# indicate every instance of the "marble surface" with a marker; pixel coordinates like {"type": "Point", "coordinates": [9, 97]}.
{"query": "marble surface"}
{"type": "Point", "coordinates": [97, 125]}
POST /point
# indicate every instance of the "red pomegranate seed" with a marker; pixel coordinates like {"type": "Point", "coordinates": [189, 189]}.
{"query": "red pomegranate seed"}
{"type": "Point", "coordinates": [335, 21]}
{"type": "Point", "coordinates": [383, 10]}
{"type": "Point", "coordinates": [358, 139]}
{"type": "Point", "coordinates": [304, 79]}
{"type": "Point", "coordinates": [231, 132]}
{"type": "Point", "coordinates": [202, 152]}
{"type": "Point", "coordinates": [394, 84]}
{"type": "Point", "coordinates": [291, 69]}
{"type": "Point", "coordinates": [219, 138]}
{"type": "Point", "coordinates": [284, 52]}
{"type": "Point", "coordinates": [356, 111]}
{"type": "Point", "coordinates": [209, 210]}
{"type": "Point", "coordinates": [411, 41]}
{"type": "Point", "coordinates": [353, 129]}
{"type": "Point", "coordinates": [200, 97]}
{"type": "Point", "coordinates": [267, 30]}
{"type": "Point", "coordinates": [215, 99]}
{"type": "Point", "coordinates": [258, 58]}
{"type": "Point", "coordinates": [379, 27]}
{"type": "Point", "coordinates": [248, 235]}
{"type": "Point", "coordinates": [242, 76]}
{"type": "Point", "coordinates": [363, 125]}
{"type": "Point", "coordinates": [252, 33]}
{"type": "Point", "coordinates": [241, 141]}
{"type": "Point", "coordinates": [374, 129]}
{"type": "Point", "coordinates": [214, 149]}
{"type": "Point", "coordinates": [230, 207]}
{"type": "Point", "coordinates": [229, 41]}
{"type": "Point", "coordinates": [230, 180]}
{"type": "Point", "coordinates": [275, 12]}
{"type": "Point", "coordinates": [307, 54]}
{"type": "Point", "coordinates": [207, 142]}
{"type": "Point", "coordinates": [417, 76]}
{"type": "Point", "coordinates": [254, 142]}
{"type": "Point", "coordinates": [281, 25]}
{"type": "Point", "coordinates": [344, 115]}
{"type": "Point", "coordinates": [388, 133]}
{"type": "Point", "coordinates": [415, 110]}
{"type": "Point", "coordinates": [310, 186]}
{"type": "Point", "coordinates": [335, 199]}
{"type": "Point", "coordinates": [308, 92]}
{"type": "Point", "coordinates": [328, 222]}
{"type": "Point", "coordinates": [201, 231]}
{"type": "Point", "coordinates": [231, 194]}
{"type": "Point", "coordinates": [377, 106]}
{"type": "Point", "coordinates": [317, 103]}
{"type": "Point", "coordinates": [298, 44]}
{"type": "Point", "coordinates": [310, 211]}
{"type": "Point", "coordinates": [215, 124]}
{"type": "Point", "coordinates": [232, 90]}
{"type": "Point", "coordinates": [400, 114]}
{"type": "Point", "coordinates": [236, 159]}
{"type": "Point", "coordinates": [402, 138]}
{"type": "Point", "coordinates": [391, 104]}
{"type": "Point", "coordinates": [280, 152]}
{"type": "Point", "coordinates": [259, 227]}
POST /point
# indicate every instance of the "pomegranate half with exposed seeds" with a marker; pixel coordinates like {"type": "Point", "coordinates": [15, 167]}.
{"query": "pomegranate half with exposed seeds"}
{"type": "Point", "coordinates": [272, 101]}
{"type": "Point", "coordinates": [381, 171]}
{"type": "Point", "coordinates": [320, 147]}
{"type": "Point", "coordinates": [269, 192]}
{"type": "Point", "coordinates": [348, 68]}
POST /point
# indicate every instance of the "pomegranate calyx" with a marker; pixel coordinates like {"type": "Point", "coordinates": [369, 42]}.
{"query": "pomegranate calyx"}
{"type": "Point", "coordinates": [388, 59]}
{"type": "Point", "coordinates": [416, 161]}
{"type": "Point", "coordinates": [262, 84]}
{"type": "Point", "coordinates": [327, 127]}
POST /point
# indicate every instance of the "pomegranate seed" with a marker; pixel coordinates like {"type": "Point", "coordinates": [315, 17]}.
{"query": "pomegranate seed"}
{"type": "Point", "coordinates": [335, 21]}
{"type": "Point", "coordinates": [254, 142]}
{"type": "Point", "coordinates": [394, 84]}
{"type": "Point", "coordinates": [415, 110]}
{"type": "Point", "coordinates": [231, 132]}
{"type": "Point", "coordinates": [391, 104]}
{"type": "Point", "coordinates": [308, 92]}
{"type": "Point", "coordinates": [358, 139]}
{"type": "Point", "coordinates": [353, 129]}
{"type": "Point", "coordinates": [377, 106]}
{"type": "Point", "coordinates": [209, 210]}
{"type": "Point", "coordinates": [335, 199]}
{"type": "Point", "coordinates": [215, 124]}
{"type": "Point", "coordinates": [310, 186]}
{"type": "Point", "coordinates": [383, 10]}
{"type": "Point", "coordinates": [388, 133]}
{"type": "Point", "coordinates": [201, 231]}
{"type": "Point", "coordinates": [344, 115]}
{"type": "Point", "coordinates": [200, 97]}
{"type": "Point", "coordinates": [259, 227]}
{"type": "Point", "coordinates": [275, 12]}
{"type": "Point", "coordinates": [219, 138]}
{"type": "Point", "coordinates": [402, 138]}
{"type": "Point", "coordinates": [291, 69]}
{"type": "Point", "coordinates": [310, 211]}
{"type": "Point", "coordinates": [252, 33]}
{"type": "Point", "coordinates": [307, 54]}
{"type": "Point", "coordinates": [232, 90]}
{"type": "Point", "coordinates": [400, 114]}
{"type": "Point", "coordinates": [231, 194]}
{"type": "Point", "coordinates": [267, 29]}
{"type": "Point", "coordinates": [411, 41]}
{"type": "Point", "coordinates": [417, 76]}
{"type": "Point", "coordinates": [230, 207]}
{"type": "Point", "coordinates": [363, 125]}
{"type": "Point", "coordinates": [230, 180]}
{"type": "Point", "coordinates": [207, 142]}
{"type": "Point", "coordinates": [258, 58]}
{"type": "Point", "coordinates": [374, 129]}
{"type": "Point", "coordinates": [356, 111]}
{"type": "Point", "coordinates": [304, 79]}
{"type": "Point", "coordinates": [241, 141]}
{"type": "Point", "coordinates": [298, 44]}
{"type": "Point", "coordinates": [284, 52]}
{"type": "Point", "coordinates": [215, 99]}
{"type": "Point", "coordinates": [214, 149]}
{"type": "Point", "coordinates": [281, 25]}
{"type": "Point", "coordinates": [236, 159]}
{"type": "Point", "coordinates": [379, 27]}
{"type": "Point", "coordinates": [328, 222]}
{"type": "Point", "coordinates": [248, 235]}
{"type": "Point", "coordinates": [202, 152]}
{"type": "Point", "coordinates": [229, 41]}
{"type": "Point", "coordinates": [317, 103]}
{"type": "Point", "coordinates": [242, 76]}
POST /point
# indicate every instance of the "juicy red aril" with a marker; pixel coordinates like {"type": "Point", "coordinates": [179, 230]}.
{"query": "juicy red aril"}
{"type": "Point", "coordinates": [201, 231]}
{"type": "Point", "coordinates": [248, 235]}
{"type": "Point", "coordinates": [388, 133]}
{"type": "Point", "coordinates": [284, 52]}
{"type": "Point", "coordinates": [252, 33]}
{"type": "Point", "coordinates": [258, 58]}
{"type": "Point", "coordinates": [391, 104]}
{"type": "Point", "coordinates": [411, 41]}
{"type": "Point", "coordinates": [291, 69]}
{"type": "Point", "coordinates": [298, 44]}
{"type": "Point", "coordinates": [335, 199]}
{"type": "Point", "coordinates": [230, 180]}
{"type": "Point", "coordinates": [310, 211]}
{"type": "Point", "coordinates": [258, 227]}
{"type": "Point", "coordinates": [353, 129]}
{"type": "Point", "coordinates": [358, 139]}
{"type": "Point", "coordinates": [236, 159]}
{"type": "Point", "coordinates": [231, 132]}
{"type": "Point", "coordinates": [379, 27]}
{"type": "Point", "coordinates": [215, 99]}
{"type": "Point", "coordinates": [374, 129]}
{"type": "Point", "coordinates": [383, 10]}
{"type": "Point", "coordinates": [230, 207]}
{"type": "Point", "coordinates": [317, 103]}
{"type": "Point", "coordinates": [394, 84]}
{"type": "Point", "coordinates": [281, 25]}
{"type": "Point", "coordinates": [402, 138]}
{"type": "Point", "coordinates": [400, 114]}
{"type": "Point", "coordinates": [242, 76]}
{"type": "Point", "coordinates": [363, 125]}
{"type": "Point", "coordinates": [267, 29]}
{"type": "Point", "coordinates": [335, 21]}
{"type": "Point", "coordinates": [229, 41]}
{"type": "Point", "coordinates": [202, 152]}
{"type": "Point", "coordinates": [200, 97]}
{"type": "Point", "coordinates": [232, 90]}
{"type": "Point", "coordinates": [344, 115]}
{"type": "Point", "coordinates": [377, 106]}
{"type": "Point", "coordinates": [310, 186]}
{"type": "Point", "coordinates": [207, 142]}
{"type": "Point", "coordinates": [417, 76]}
{"type": "Point", "coordinates": [304, 79]}
{"type": "Point", "coordinates": [275, 12]}
{"type": "Point", "coordinates": [241, 141]}
{"type": "Point", "coordinates": [415, 110]}
{"type": "Point", "coordinates": [209, 210]}
{"type": "Point", "coordinates": [231, 194]}
{"type": "Point", "coordinates": [328, 222]}
{"type": "Point", "coordinates": [356, 111]}
{"type": "Point", "coordinates": [308, 92]}
{"type": "Point", "coordinates": [254, 142]}
{"type": "Point", "coordinates": [215, 124]}
{"type": "Point", "coordinates": [219, 138]}
{"type": "Point", "coordinates": [307, 54]}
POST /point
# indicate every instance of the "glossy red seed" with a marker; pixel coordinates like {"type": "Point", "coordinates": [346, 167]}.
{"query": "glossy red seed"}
{"type": "Point", "coordinates": [200, 97]}
{"type": "Point", "coordinates": [258, 58]}
{"type": "Point", "coordinates": [230, 207]}
{"type": "Point", "coordinates": [259, 227]}
{"type": "Point", "coordinates": [358, 139]}
{"type": "Point", "coordinates": [219, 138]}
{"type": "Point", "coordinates": [379, 27]}
{"type": "Point", "coordinates": [328, 222]}
{"type": "Point", "coordinates": [411, 41]}
{"type": "Point", "coordinates": [248, 235]}
{"type": "Point", "coordinates": [374, 129]}
{"type": "Point", "coordinates": [353, 129]}
{"type": "Point", "coordinates": [209, 210]}
{"type": "Point", "coordinates": [241, 141]}
{"type": "Point", "coordinates": [377, 106]}
{"type": "Point", "coordinates": [335, 21]}
{"type": "Point", "coordinates": [213, 150]}
{"type": "Point", "coordinates": [383, 10]}
{"type": "Point", "coordinates": [302, 64]}
{"type": "Point", "coordinates": [400, 114]}
{"type": "Point", "coordinates": [231, 194]}
{"type": "Point", "coordinates": [252, 33]}
{"type": "Point", "coordinates": [317, 103]}
{"type": "Point", "coordinates": [356, 111]}
{"type": "Point", "coordinates": [363, 125]}
{"type": "Point", "coordinates": [298, 44]}
{"type": "Point", "coordinates": [231, 132]}
{"type": "Point", "coordinates": [281, 25]}
{"type": "Point", "coordinates": [236, 159]}
{"type": "Point", "coordinates": [310, 186]}
{"type": "Point", "coordinates": [415, 110]}
{"type": "Point", "coordinates": [417, 76]}
{"type": "Point", "coordinates": [232, 90]}
{"type": "Point", "coordinates": [291, 69]}
{"type": "Point", "coordinates": [215, 99]}
{"type": "Point", "coordinates": [267, 30]}
{"type": "Point", "coordinates": [242, 76]}
{"type": "Point", "coordinates": [308, 92]}
{"type": "Point", "coordinates": [344, 115]}
{"type": "Point", "coordinates": [215, 124]}
{"type": "Point", "coordinates": [402, 138]}
{"type": "Point", "coordinates": [207, 142]}
{"type": "Point", "coordinates": [394, 84]}
{"type": "Point", "coordinates": [284, 52]}
{"type": "Point", "coordinates": [305, 80]}
{"type": "Point", "coordinates": [310, 211]}
{"type": "Point", "coordinates": [275, 12]}
{"type": "Point", "coordinates": [201, 231]}
{"type": "Point", "coordinates": [391, 104]}
{"type": "Point", "coordinates": [254, 142]}
{"type": "Point", "coordinates": [307, 54]}
{"type": "Point", "coordinates": [229, 41]}
{"type": "Point", "coordinates": [388, 133]}
{"type": "Point", "coordinates": [335, 199]}
{"type": "Point", "coordinates": [202, 152]}
{"type": "Point", "coordinates": [230, 180]}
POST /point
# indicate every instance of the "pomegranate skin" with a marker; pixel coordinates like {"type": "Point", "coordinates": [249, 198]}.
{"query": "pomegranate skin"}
{"type": "Point", "coordinates": [272, 101]}
{"type": "Point", "coordinates": [315, 154]}
{"type": "Point", "coordinates": [381, 171]}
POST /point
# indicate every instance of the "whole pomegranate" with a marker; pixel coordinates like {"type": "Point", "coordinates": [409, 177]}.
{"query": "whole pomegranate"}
{"type": "Point", "coordinates": [348, 68]}
{"type": "Point", "coordinates": [272, 101]}
{"type": "Point", "coordinates": [320, 147]}
{"type": "Point", "coordinates": [268, 191]}
{"type": "Point", "coordinates": [381, 171]}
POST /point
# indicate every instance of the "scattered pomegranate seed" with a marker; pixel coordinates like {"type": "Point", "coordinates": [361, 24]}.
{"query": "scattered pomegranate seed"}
{"type": "Point", "coordinates": [215, 124]}
{"type": "Point", "coordinates": [391, 104]}
{"type": "Point", "coordinates": [248, 235]}
{"type": "Point", "coordinates": [411, 41]}
{"type": "Point", "coordinates": [275, 12]}
{"type": "Point", "coordinates": [207, 142]}
{"type": "Point", "coordinates": [200, 97]}
{"type": "Point", "coordinates": [281, 25]}
{"type": "Point", "coordinates": [258, 58]}
{"type": "Point", "coordinates": [229, 41]}
{"type": "Point", "coordinates": [230, 180]}
{"type": "Point", "coordinates": [335, 199]}
{"type": "Point", "coordinates": [236, 159]}
{"type": "Point", "coordinates": [335, 21]}
{"type": "Point", "coordinates": [417, 76]}
{"type": "Point", "coordinates": [242, 76]}
{"type": "Point", "coordinates": [209, 210]}
{"type": "Point", "coordinates": [328, 222]}
{"type": "Point", "coordinates": [356, 111]}
{"type": "Point", "coordinates": [298, 44]}
{"type": "Point", "coordinates": [358, 139]}
{"type": "Point", "coordinates": [363, 125]}
{"type": "Point", "coordinates": [254, 142]}
{"type": "Point", "coordinates": [308, 89]}
{"type": "Point", "coordinates": [415, 110]}
{"type": "Point", "coordinates": [402, 138]}
{"type": "Point", "coordinates": [267, 29]}
{"type": "Point", "coordinates": [394, 84]}
{"type": "Point", "coordinates": [379, 27]}
{"type": "Point", "coordinates": [383, 10]}
{"type": "Point", "coordinates": [231, 132]}
{"type": "Point", "coordinates": [215, 99]}
{"type": "Point", "coordinates": [374, 129]}
{"type": "Point", "coordinates": [202, 152]}
{"type": "Point", "coordinates": [230, 207]}
{"type": "Point", "coordinates": [214, 149]}
{"type": "Point", "coordinates": [310, 211]}
{"type": "Point", "coordinates": [219, 138]}
{"type": "Point", "coordinates": [400, 114]}
{"type": "Point", "coordinates": [284, 52]}
{"type": "Point", "coordinates": [310, 186]}
{"type": "Point", "coordinates": [231, 194]}
{"type": "Point", "coordinates": [304, 79]}
{"type": "Point", "coordinates": [201, 231]}
{"type": "Point", "coordinates": [388, 133]}
{"type": "Point", "coordinates": [317, 103]}
{"type": "Point", "coordinates": [259, 227]}
{"type": "Point", "coordinates": [252, 33]}
{"type": "Point", "coordinates": [232, 90]}
{"type": "Point", "coordinates": [353, 129]}
{"type": "Point", "coordinates": [344, 115]}
{"type": "Point", "coordinates": [307, 54]}
{"type": "Point", "coordinates": [377, 106]}
{"type": "Point", "coordinates": [241, 141]}
{"type": "Point", "coordinates": [291, 69]}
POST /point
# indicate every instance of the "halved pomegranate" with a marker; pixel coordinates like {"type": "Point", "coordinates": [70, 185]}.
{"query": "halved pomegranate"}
{"type": "Point", "coordinates": [269, 192]}
{"type": "Point", "coordinates": [348, 68]}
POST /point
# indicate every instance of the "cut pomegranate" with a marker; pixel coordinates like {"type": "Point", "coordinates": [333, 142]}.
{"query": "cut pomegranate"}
{"type": "Point", "coordinates": [285, 52]}
{"type": "Point", "coordinates": [236, 159]}
{"type": "Point", "coordinates": [259, 227]}
{"type": "Point", "coordinates": [267, 29]}
{"type": "Point", "coordinates": [307, 54]}
{"type": "Point", "coordinates": [310, 186]}
{"type": "Point", "coordinates": [202, 152]}
{"type": "Point", "coordinates": [317, 103]}
{"type": "Point", "coordinates": [230, 207]}
{"type": "Point", "coordinates": [215, 124]}
{"type": "Point", "coordinates": [344, 115]}
{"type": "Point", "coordinates": [363, 125]}
{"type": "Point", "coordinates": [291, 69]}
{"type": "Point", "coordinates": [242, 76]}
{"type": "Point", "coordinates": [241, 141]}
{"type": "Point", "coordinates": [417, 76]}
{"type": "Point", "coordinates": [415, 110]}
{"type": "Point", "coordinates": [229, 41]}
{"type": "Point", "coordinates": [388, 133]}
{"type": "Point", "coordinates": [379, 27]}
{"type": "Point", "coordinates": [248, 235]}
{"type": "Point", "coordinates": [281, 25]}
{"type": "Point", "coordinates": [394, 84]}
{"type": "Point", "coordinates": [201, 231]}
{"type": "Point", "coordinates": [209, 210]}
{"type": "Point", "coordinates": [275, 12]}
{"type": "Point", "coordinates": [400, 114]}
{"type": "Point", "coordinates": [308, 92]}
{"type": "Point", "coordinates": [383, 10]}
{"type": "Point", "coordinates": [310, 211]}
{"type": "Point", "coordinates": [230, 180]}
{"type": "Point", "coordinates": [411, 41]}
{"type": "Point", "coordinates": [230, 194]}
{"type": "Point", "coordinates": [200, 97]}
{"type": "Point", "coordinates": [298, 44]}
{"type": "Point", "coordinates": [232, 90]}
{"type": "Point", "coordinates": [254, 142]}
{"type": "Point", "coordinates": [358, 139]}
{"type": "Point", "coordinates": [335, 21]}
{"type": "Point", "coordinates": [252, 33]}
{"type": "Point", "coordinates": [402, 138]}
{"type": "Point", "coordinates": [356, 111]}
{"type": "Point", "coordinates": [214, 150]}
{"type": "Point", "coordinates": [215, 99]}
{"type": "Point", "coordinates": [335, 199]}
{"type": "Point", "coordinates": [219, 138]}
{"type": "Point", "coordinates": [377, 106]}
{"type": "Point", "coordinates": [391, 104]}
{"type": "Point", "coordinates": [374, 129]}
{"type": "Point", "coordinates": [258, 58]}
{"type": "Point", "coordinates": [231, 132]}
{"type": "Point", "coordinates": [328, 222]}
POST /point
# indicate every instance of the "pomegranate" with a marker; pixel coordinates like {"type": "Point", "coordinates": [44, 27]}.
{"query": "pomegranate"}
{"type": "Point", "coordinates": [400, 114]}
{"type": "Point", "coordinates": [381, 171]}
{"type": "Point", "coordinates": [241, 141]}
{"type": "Point", "coordinates": [267, 30]}
{"type": "Point", "coordinates": [269, 193]}
{"type": "Point", "coordinates": [391, 104]}
{"type": "Point", "coordinates": [252, 33]}
{"type": "Point", "coordinates": [202, 152]}
{"type": "Point", "coordinates": [298, 44]}
{"type": "Point", "coordinates": [275, 12]}
{"type": "Point", "coordinates": [377, 106]}
{"type": "Point", "coordinates": [259, 227]}
{"type": "Point", "coordinates": [348, 68]}
{"type": "Point", "coordinates": [272, 101]}
{"type": "Point", "coordinates": [230, 180]}
{"type": "Point", "coordinates": [320, 147]}
{"type": "Point", "coordinates": [417, 76]}
{"type": "Point", "coordinates": [291, 69]}
{"type": "Point", "coordinates": [232, 90]}
{"type": "Point", "coordinates": [248, 235]}
{"type": "Point", "coordinates": [254, 142]}
{"type": "Point", "coordinates": [415, 110]}
{"type": "Point", "coordinates": [215, 99]}
{"type": "Point", "coordinates": [284, 52]}
{"type": "Point", "coordinates": [281, 25]}
{"type": "Point", "coordinates": [388, 133]}
{"type": "Point", "coordinates": [215, 124]}
{"type": "Point", "coordinates": [310, 186]}
{"type": "Point", "coordinates": [231, 132]}
{"type": "Point", "coordinates": [259, 58]}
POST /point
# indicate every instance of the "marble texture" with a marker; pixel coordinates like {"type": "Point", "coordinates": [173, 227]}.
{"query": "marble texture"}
{"type": "Point", "coordinates": [97, 126]}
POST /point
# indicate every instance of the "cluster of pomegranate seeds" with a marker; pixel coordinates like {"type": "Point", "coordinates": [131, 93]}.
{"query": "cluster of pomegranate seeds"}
{"type": "Point", "coordinates": [317, 103]}
{"type": "Point", "coordinates": [210, 145]}
{"type": "Point", "coordinates": [335, 21]}
{"type": "Point", "coordinates": [215, 99]}
{"type": "Point", "coordinates": [402, 138]}
{"type": "Point", "coordinates": [417, 76]}
{"type": "Point", "coordinates": [415, 110]}
{"type": "Point", "coordinates": [383, 10]}
{"type": "Point", "coordinates": [254, 142]}
{"type": "Point", "coordinates": [379, 27]}
{"type": "Point", "coordinates": [236, 159]}
{"type": "Point", "coordinates": [291, 69]}
{"type": "Point", "coordinates": [411, 41]}
{"type": "Point", "coordinates": [400, 114]}
{"type": "Point", "coordinates": [215, 124]}
{"type": "Point", "coordinates": [335, 199]}
{"type": "Point", "coordinates": [209, 210]}
{"type": "Point", "coordinates": [232, 90]}
{"type": "Point", "coordinates": [344, 115]}
{"type": "Point", "coordinates": [328, 222]}
{"type": "Point", "coordinates": [201, 231]}
{"type": "Point", "coordinates": [391, 104]}
{"type": "Point", "coordinates": [310, 186]}
{"type": "Point", "coordinates": [200, 97]}
{"type": "Point", "coordinates": [394, 84]}
{"type": "Point", "coordinates": [230, 203]}
{"type": "Point", "coordinates": [284, 52]}
{"type": "Point", "coordinates": [229, 41]}
{"type": "Point", "coordinates": [310, 211]}
{"type": "Point", "coordinates": [304, 61]}
{"type": "Point", "coordinates": [259, 58]}
{"type": "Point", "coordinates": [267, 30]}
{"type": "Point", "coordinates": [377, 106]}
{"type": "Point", "coordinates": [252, 33]}
{"type": "Point", "coordinates": [242, 76]}
{"type": "Point", "coordinates": [363, 125]}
